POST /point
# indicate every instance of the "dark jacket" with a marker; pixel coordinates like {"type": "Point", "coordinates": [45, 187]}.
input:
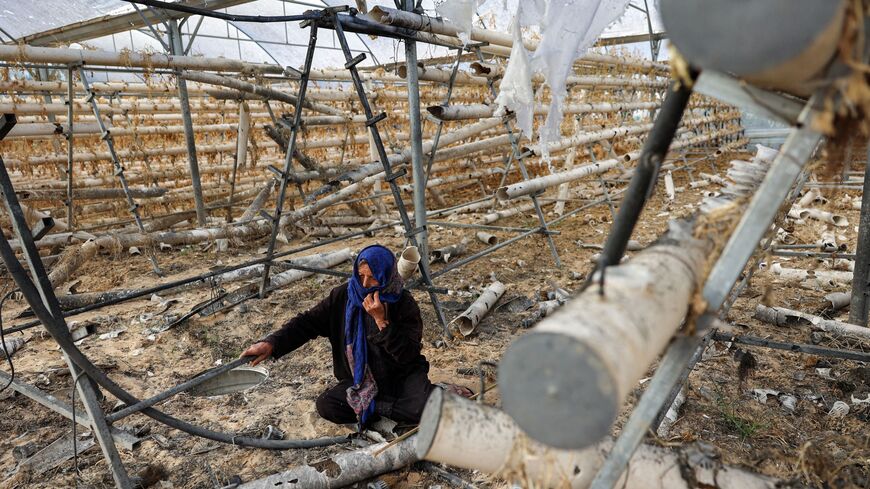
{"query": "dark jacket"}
{"type": "Point", "coordinates": [393, 353]}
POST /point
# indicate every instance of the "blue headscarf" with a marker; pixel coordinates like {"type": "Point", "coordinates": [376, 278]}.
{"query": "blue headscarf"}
{"type": "Point", "coordinates": [382, 262]}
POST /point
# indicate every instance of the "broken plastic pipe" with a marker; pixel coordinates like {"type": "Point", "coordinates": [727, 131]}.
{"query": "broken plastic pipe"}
{"type": "Point", "coordinates": [821, 278]}
{"type": "Point", "coordinates": [408, 262]}
{"type": "Point", "coordinates": [487, 238]}
{"type": "Point", "coordinates": [470, 435]}
{"type": "Point", "coordinates": [344, 468]}
{"type": "Point", "coordinates": [468, 320]}
{"type": "Point", "coordinates": [781, 316]}
{"type": "Point", "coordinates": [540, 183]}
{"type": "Point", "coordinates": [824, 216]}
{"type": "Point", "coordinates": [447, 252]}
{"type": "Point", "coordinates": [458, 112]}
{"type": "Point", "coordinates": [488, 70]}
{"type": "Point", "coordinates": [828, 242]}
{"type": "Point", "coordinates": [838, 300]}
{"type": "Point", "coordinates": [565, 381]}
{"type": "Point", "coordinates": [812, 196]}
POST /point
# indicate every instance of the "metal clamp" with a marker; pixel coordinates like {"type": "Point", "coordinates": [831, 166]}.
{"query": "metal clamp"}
{"type": "Point", "coordinates": [415, 231]}
{"type": "Point", "coordinates": [355, 61]}
{"type": "Point", "coordinates": [392, 177]}
{"type": "Point", "coordinates": [374, 120]}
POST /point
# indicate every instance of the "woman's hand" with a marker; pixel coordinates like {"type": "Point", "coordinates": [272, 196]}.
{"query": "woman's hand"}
{"type": "Point", "coordinates": [262, 350]}
{"type": "Point", "coordinates": [373, 305]}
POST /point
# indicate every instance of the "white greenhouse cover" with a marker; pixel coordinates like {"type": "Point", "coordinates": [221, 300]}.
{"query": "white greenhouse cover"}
{"type": "Point", "coordinates": [282, 43]}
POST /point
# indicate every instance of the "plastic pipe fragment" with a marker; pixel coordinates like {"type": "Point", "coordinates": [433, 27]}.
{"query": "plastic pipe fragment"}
{"type": "Point", "coordinates": [408, 262]}
{"type": "Point", "coordinates": [487, 238]}
{"type": "Point", "coordinates": [468, 320]}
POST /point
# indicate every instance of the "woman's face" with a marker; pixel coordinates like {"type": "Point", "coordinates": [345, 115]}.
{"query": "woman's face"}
{"type": "Point", "coordinates": [366, 278]}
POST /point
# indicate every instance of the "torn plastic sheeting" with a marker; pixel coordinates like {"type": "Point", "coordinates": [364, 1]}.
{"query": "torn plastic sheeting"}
{"type": "Point", "coordinates": [515, 91]}
{"type": "Point", "coordinates": [461, 14]}
{"type": "Point", "coordinates": [568, 28]}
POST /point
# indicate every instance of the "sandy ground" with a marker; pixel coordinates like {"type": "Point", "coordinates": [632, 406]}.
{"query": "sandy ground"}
{"type": "Point", "coordinates": [805, 444]}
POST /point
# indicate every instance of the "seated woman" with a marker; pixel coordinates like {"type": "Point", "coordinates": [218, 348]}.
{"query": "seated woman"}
{"type": "Point", "coordinates": [376, 333]}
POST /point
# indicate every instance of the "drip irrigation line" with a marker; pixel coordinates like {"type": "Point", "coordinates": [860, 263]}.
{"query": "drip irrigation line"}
{"type": "Point", "coordinates": [55, 324]}
{"type": "Point", "coordinates": [205, 276]}
{"type": "Point", "coordinates": [195, 381]}
{"type": "Point", "coordinates": [177, 7]}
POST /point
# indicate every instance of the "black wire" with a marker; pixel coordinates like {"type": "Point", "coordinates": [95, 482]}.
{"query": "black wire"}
{"type": "Point", "coordinates": [220, 15]}
{"type": "Point", "coordinates": [3, 341]}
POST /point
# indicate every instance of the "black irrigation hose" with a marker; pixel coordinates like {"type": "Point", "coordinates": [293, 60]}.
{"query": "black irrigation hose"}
{"type": "Point", "coordinates": [184, 386]}
{"type": "Point", "coordinates": [220, 15]}
{"type": "Point", "coordinates": [134, 294]}
{"type": "Point", "coordinates": [68, 346]}
{"type": "Point", "coordinates": [102, 379]}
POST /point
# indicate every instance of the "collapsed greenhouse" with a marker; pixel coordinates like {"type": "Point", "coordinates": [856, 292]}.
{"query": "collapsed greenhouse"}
{"type": "Point", "coordinates": [637, 235]}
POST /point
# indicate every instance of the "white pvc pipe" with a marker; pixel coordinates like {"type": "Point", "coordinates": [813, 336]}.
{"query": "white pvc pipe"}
{"type": "Point", "coordinates": [489, 70]}
{"type": "Point", "coordinates": [782, 316]}
{"type": "Point", "coordinates": [33, 54]}
{"type": "Point", "coordinates": [343, 468]}
{"type": "Point", "coordinates": [408, 262]}
{"type": "Point", "coordinates": [477, 111]}
{"type": "Point", "coordinates": [468, 320]}
{"type": "Point", "coordinates": [447, 252]}
{"type": "Point", "coordinates": [470, 435]}
{"type": "Point", "coordinates": [566, 380]}
{"type": "Point", "coordinates": [821, 278]}
{"type": "Point", "coordinates": [828, 241]}
{"type": "Point", "coordinates": [327, 260]}
{"type": "Point", "coordinates": [824, 216]}
{"type": "Point", "coordinates": [809, 197]}
{"type": "Point", "coordinates": [487, 238]}
{"type": "Point", "coordinates": [533, 185]}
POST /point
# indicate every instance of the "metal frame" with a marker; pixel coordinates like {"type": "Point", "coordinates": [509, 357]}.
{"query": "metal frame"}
{"type": "Point", "coordinates": [390, 177]}
{"type": "Point", "coordinates": [288, 157]}
{"type": "Point", "coordinates": [106, 136]}
{"type": "Point", "coordinates": [113, 24]}
{"type": "Point", "coordinates": [754, 224]}
{"type": "Point", "coordinates": [177, 48]}
{"type": "Point", "coordinates": [860, 304]}
{"type": "Point", "coordinates": [70, 115]}
{"type": "Point", "coordinates": [518, 156]}
{"type": "Point", "coordinates": [420, 177]}
{"type": "Point", "coordinates": [126, 440]}
{"type": "Point", "coordinates": [39, 293]}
